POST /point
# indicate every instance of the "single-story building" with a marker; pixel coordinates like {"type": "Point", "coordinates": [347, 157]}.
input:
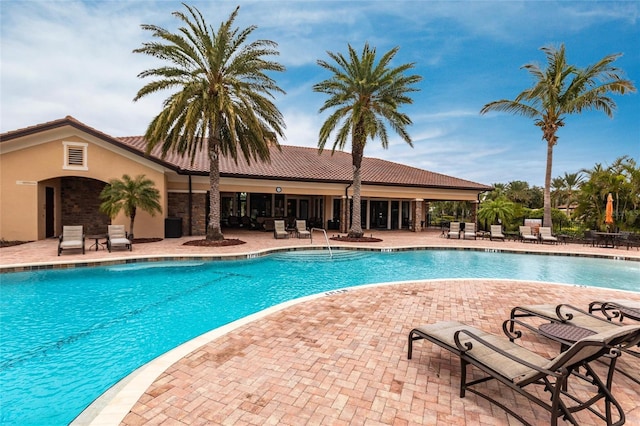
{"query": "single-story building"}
{"type": "Point", "coordinates": [51, 175]}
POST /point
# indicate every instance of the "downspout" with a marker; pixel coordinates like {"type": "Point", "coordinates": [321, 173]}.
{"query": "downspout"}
{"type": "Point", "coordinates": [190, 208]}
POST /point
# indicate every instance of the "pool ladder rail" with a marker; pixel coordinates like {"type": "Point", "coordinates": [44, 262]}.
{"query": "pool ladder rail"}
{"type": "Point", "coordinates": [326, 238]}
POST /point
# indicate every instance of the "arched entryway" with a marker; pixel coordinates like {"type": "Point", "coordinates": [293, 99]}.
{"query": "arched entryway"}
{"type": "Point", "coordinates": [72, 201]}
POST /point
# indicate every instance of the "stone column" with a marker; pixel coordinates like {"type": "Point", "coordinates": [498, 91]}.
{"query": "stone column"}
{"type": "Point", "coordinates": [418, 207]}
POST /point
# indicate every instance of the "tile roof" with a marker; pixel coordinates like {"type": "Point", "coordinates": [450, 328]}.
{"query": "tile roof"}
{"type": "Point", "coordinates": [306, 164]}
{"type": "Point", "coordinates": [288, 163]}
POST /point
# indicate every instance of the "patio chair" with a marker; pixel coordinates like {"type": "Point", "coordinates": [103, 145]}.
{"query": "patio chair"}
{"type": "Point", "coordinates": [617, 309]}
{"type": "Point", "coordinates": [72, 238]}
{"type": "Point", "coordinates": [496, 233]}
{"type": "Point", "coordinates": [117, 237]}
{"type": "Point", "coordinates": [279, 229]}
{"type": "Point", "coordinates": [499, 358]}
{"type": "Point", "coordinates": [589, 238]}
{"type": "Point", "coordinates": [545, 235]}
{"type": "Point", "coordinates": [469, 231]}
{"type": "Point", "coordinates": [527, 235]}
{"type": "Point", "coordinates": [454, 230]}
{"type": "Point", "coordinates": [301, 229]}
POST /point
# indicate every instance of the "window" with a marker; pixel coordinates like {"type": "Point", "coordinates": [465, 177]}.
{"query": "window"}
{"type": "Point", "coordinates": [75, 156]}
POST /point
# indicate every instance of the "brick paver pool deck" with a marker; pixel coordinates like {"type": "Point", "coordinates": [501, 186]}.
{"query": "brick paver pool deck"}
{"type": "Point", "coordinates": [339, 358]}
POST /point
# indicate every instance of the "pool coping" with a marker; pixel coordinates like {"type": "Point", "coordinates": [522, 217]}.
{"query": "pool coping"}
{"type": "Point", "coordinates": [36, 266]}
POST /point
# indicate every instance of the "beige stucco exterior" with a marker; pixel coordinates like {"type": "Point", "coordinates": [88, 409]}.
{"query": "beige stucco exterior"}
{"type": "Point", "coordinates": [30, 164]}
{"type": "Point", "coordinates": [40, 163]}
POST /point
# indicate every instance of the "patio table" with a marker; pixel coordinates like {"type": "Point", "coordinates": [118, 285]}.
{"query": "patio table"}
{"type": "Point", "coordinates": [565, 334]}
{"type": "Point", "coordinates": [607, 239]}
{"type": "Point", "coordinates": [97, 238]}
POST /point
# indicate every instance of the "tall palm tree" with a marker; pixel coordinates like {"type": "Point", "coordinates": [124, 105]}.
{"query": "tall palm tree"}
{"type": "Point", "coordinates": [224, 102]}
{"type": "Point", "coordinates": [364, 95]}
{"type": "Point", "coordinates": [559, 90]}
{"type": "Point", "coordinates": [128, 195]}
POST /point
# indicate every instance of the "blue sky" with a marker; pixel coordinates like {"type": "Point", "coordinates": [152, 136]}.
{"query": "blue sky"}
{"type": "Point", "coordinates": [62, 58]}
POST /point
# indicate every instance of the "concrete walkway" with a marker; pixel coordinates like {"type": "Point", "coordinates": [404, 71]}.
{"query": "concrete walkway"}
{"type": "Point", "coordinates": [338, 358]}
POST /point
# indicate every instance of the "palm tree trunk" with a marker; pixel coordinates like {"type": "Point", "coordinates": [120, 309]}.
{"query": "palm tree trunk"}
{"type": "Point", "coordinates": [214, 232]}
{"type": "Point", "coordinates": [357, 151]}
{"type": "Point", "coordinates": [132, 218]}
{"type": "Point", "coordinates": [356, 219]}
{"type": "Point", "coordinates": [546, 218]}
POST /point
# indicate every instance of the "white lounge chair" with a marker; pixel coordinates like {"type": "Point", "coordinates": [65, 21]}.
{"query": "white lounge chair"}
{"type": "Point", "coordinates": [301, 229]}
{"type": "Point", "coordinates": [454, 230]}
{"type": "Point", "coordinates": [545, 235]}
{"type": "Point", "coordinates": [72, 238]}
{"type": "Point", "coordinates": [279, 231]}
{"type": "Point", "coordinates": [496, 233]}
{"type": "Point", "coordinates": [469, 231]}
{"type": "Point", "coordinates": [527, 235]}
{"type": "Point", "coordinates": [117, 237]}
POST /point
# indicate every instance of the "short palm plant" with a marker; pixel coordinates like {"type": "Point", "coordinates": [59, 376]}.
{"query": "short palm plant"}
{"type": "Point", "coordinates": [128, 195]}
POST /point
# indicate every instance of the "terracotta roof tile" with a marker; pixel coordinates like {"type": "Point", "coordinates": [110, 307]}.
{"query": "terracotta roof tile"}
{"type": "Point", "coordinates": [302, 163]}
{"type": "Point", "coordinates": [288, 163]}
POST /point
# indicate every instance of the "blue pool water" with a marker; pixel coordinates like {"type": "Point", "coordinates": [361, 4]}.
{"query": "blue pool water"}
{"type": "Point", "coordinates": [68, 335]}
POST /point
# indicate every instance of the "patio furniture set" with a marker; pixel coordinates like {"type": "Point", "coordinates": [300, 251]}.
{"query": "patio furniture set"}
{"type": "Point", "coordinates": [282, 231]}
{"type": "Point", "coordinates": [73, 238]}
{"type": "Point", "coordinates": [584, 338]}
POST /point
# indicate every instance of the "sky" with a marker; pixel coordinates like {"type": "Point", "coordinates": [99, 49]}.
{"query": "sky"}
{"type": "Point", "coordinates": [60, 58]}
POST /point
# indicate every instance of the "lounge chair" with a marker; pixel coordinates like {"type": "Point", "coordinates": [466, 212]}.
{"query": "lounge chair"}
{"type": "Point", "coordinates": [580, 320]}
{"type": "Point", "coordinates": [72, 238]}
{"type": "Point", "coordinates": [527, 235]}
{"type": "Point", "coordinates": [496, 233]}
{"type": "Point", "coordinates": [279, 229]}
{"type": "Point", "coordinates": [617, 309]}
{"type": "Point", "coordinates": [499, 358]}
{"type": "Point", "coordinates": [117, 237]}
{"type": "Point", "coordinates": [454, 230]}
{"type": "Point", "coordinates": [301, 229]}
{"type": "Point", "coordinates": [545, 235]}
{"type": "Point", "coordinates": [469, 231]}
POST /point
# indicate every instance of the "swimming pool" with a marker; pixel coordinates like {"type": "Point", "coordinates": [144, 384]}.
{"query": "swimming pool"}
{"type": "Point", "coordinates": [68, 335]}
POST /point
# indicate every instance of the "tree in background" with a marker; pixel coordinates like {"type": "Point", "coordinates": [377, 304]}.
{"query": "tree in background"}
{"type": "Point", "coordinates": [564, 189]}
{"type": "Point", "coordinates": [364, 95]}
{"type": "Point", "coordinates": [561, 89]}
{"type": "Point", "coordinates": [622, 180]}
{"type": "Point", "coordinates": [224, 102]}
{"type": "Point", "coordinates": [500, 210]}
{"type": "Point", "coordinates": [129, 195]}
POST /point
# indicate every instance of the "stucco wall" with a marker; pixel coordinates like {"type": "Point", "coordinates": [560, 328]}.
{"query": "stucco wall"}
{"type": "Point", "coordinates": [42, 159]}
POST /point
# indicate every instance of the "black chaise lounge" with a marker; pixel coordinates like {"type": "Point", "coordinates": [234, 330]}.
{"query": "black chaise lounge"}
{"type": "Point", "coordinates": [620, 309]}
{"type": "Point", "coordinates": [501, 359]}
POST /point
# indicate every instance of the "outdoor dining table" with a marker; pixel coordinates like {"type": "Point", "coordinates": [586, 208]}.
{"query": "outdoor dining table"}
{"type": "Point", "coordinates": [607, 239]}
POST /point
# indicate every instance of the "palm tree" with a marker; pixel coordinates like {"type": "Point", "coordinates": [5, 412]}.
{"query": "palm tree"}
{"type": "Point", "coordinates": [571, 182]}
{"type": "Point", "coordinates": [559, 90]}
{"type": "Point", "coordinates": [224, 102]}
{"type": "Point", "coordinates": [128, 195]}
{"type": "Point", "coordinates": [499, 210]}
{"type": "Point", "coordinates": [364, 95]}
